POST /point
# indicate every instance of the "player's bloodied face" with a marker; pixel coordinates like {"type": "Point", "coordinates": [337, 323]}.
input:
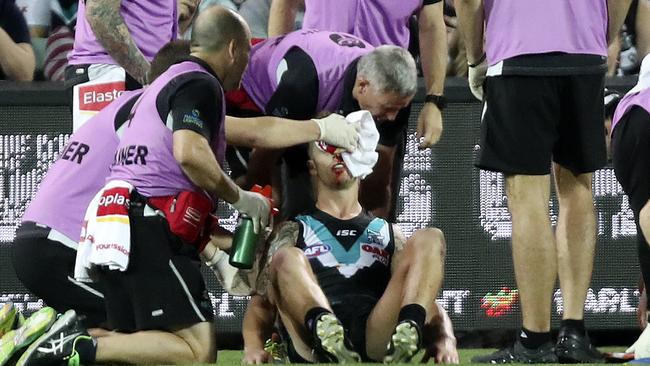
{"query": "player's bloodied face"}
{"type": "Point", "coordinates": [328, 166]}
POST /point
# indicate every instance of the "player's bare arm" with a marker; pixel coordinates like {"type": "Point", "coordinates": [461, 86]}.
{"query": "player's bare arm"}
{"type": "Point", "coordinates": [256, 328]}
{"type": "Point", "coordinates": [285, 234]}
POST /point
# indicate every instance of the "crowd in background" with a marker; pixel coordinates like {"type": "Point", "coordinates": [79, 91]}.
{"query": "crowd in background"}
{"type": "Point", "coordinates": [45, 29]}
{"type": "Point", "coordinates": [46, 35]}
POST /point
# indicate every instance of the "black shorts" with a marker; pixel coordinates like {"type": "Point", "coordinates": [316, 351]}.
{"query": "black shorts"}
{"type": "Point", "coordinates": [353, 314]}
{"type": "Point", "coordinates": [163, 287]}
{"type": "Point", "coordinates": [631, 157]}
{"type": "Point", "coordinates": [77, 74]}
{"type": "Point", "coordinates": [530, 120]}
{"type": "Point", "coordinates": [46, 268]}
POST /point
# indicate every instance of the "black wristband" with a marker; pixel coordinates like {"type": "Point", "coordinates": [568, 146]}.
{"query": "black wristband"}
{"type": "Point", "coordinates": [439, 100]}
{"type": "Point", "coordinates": [479, 61]}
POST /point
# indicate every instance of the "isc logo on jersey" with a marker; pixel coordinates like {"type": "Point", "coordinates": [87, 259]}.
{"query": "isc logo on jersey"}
{"type": "Point", "coordinates": [346, 232]}
{"type": "Point", "coordinates": [315, 250]}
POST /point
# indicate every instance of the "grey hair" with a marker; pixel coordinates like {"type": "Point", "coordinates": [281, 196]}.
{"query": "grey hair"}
{"type": "Point", "coordinates": [389, 69]}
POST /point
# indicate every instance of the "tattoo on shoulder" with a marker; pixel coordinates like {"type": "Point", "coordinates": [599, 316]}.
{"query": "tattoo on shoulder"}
{"type": "Point", "coordinates": [285, 233]}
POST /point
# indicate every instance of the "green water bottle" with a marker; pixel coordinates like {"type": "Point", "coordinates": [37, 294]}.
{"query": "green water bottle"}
{"type": "Point", "coordinates": [244, 244]}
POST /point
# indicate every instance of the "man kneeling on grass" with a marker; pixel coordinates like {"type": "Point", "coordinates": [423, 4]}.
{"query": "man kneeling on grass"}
{"type": "Point", "coordinates": [346, 286]}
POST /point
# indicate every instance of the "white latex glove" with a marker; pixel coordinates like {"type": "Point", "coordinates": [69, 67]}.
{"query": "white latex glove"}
{"type": "Point", "coordinates": [335, 130]}
{"type": "Point", "coordinates": [233, 280]}
{"type": "Point", "coordinates": [476, 77]}
{"type": "Point", "coordinates": [254, 205]}
{"type": "Point", "coordinates": [641, 347]}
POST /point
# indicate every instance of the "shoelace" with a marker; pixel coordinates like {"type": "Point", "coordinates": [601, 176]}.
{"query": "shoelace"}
{"type": "Point", "coordinates": [276, 350]}
{"type": "Point", "coordinates": [56, 344]}
{"type": "Point", "coordinates": [73, 359]}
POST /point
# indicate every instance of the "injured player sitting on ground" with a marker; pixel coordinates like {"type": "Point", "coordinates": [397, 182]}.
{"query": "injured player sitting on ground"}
{"type": "Point", "coordinates": [343, 285]}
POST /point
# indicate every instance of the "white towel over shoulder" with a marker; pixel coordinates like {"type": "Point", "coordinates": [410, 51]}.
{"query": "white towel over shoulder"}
{"type": "Point", "coordinates": [362, 160]}
{"type": "Point", "coordinates": [106, 233]}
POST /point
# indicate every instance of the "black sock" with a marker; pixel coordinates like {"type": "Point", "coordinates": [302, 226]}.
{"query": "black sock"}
{"type": "Point", "coordinates": [87, 349]}
{"type": "Point", "coordinates": [312, 315]}
{"type": "Point", "coordinates": [413, 312]}
{"type": "Point", "coordinates": [576, 325]}
{"type": "Point", "coordinates": [532, 340]}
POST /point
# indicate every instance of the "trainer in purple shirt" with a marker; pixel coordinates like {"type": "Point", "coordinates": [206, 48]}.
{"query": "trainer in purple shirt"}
{"type": "Point", "coordinates": [328, 54]}
{"type": "Point", "coordinates": [381, 22]}
{"type": "Point", "coordinates": [44, 251]}
{"type": "Point", "coordinates": [123, 32]}
{"type": "Point", "coordinates": [115, 41]}
{"type": "Point", "coordinates": [542, 121]}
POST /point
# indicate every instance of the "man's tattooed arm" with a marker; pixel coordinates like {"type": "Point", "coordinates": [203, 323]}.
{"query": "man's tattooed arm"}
{"type": "Point", "coordinates": [285, 234]}
{"type": "Point", "coordinates": [108, 26]}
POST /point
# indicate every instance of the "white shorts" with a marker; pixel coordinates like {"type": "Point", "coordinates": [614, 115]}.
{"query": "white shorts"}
{"type": "Point", "coordinates": [99, 85]}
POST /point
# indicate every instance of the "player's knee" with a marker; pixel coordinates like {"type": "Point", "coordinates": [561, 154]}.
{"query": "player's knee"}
{"type": "Point", "coordinates": [428, 241]}
{"type": "Point", "coordinates": [287, 259]}
{"type": "Point", "coordinates": [526, 193]}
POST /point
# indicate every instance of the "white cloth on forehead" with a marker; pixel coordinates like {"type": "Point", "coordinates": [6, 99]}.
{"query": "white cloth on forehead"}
{"type": "Point", "coordinates": [364, 158]}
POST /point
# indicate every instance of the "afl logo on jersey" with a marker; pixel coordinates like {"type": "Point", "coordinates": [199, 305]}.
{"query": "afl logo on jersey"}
{"type": "Point", "coordinates": [314, 251]}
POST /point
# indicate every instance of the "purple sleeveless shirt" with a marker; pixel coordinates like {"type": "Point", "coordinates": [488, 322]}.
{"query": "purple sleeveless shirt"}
{"type": "Point", "coordinates": [331, 53]}
{"type": "Point", "coordinates": [641, 99]}
{"type": "Point", "coordinates": [152, 23]}
{"type": "Point", "coordinates": [145, 155]}
{"type": "Point", "coordinates": [519, 27]}
{"type": "Point", "coordinates": [81, 170]}
{"type": "Point", "coordinates": [378, 22]}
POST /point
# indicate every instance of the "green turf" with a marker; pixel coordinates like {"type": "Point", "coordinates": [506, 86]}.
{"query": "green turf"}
{"type": "Point", "coordinates": [234, 357]}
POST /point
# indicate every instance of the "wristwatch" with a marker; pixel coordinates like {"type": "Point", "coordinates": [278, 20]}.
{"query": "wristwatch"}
{"type": "Point", "coordinates": [439, 100]}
